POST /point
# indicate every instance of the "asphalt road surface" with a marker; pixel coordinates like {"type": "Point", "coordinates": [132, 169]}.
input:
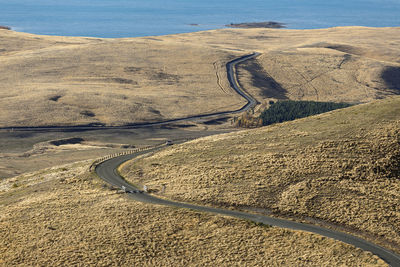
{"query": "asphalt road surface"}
{"type": "Point", "coordinates": [108, 172]}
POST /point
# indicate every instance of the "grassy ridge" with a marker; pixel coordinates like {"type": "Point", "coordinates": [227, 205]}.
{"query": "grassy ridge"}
{"type": "Point", "coordinates": [70, 219]}
{"type": "Point", "coordinates": [50, 80]}
{"type": "Point", "coordinates": [340, 167]}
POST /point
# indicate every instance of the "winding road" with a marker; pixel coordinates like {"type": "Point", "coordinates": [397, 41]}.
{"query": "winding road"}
{"type": "Point", "coordinates": [230, 68]}
{"type": "Point", "coordinates": [107, 171]}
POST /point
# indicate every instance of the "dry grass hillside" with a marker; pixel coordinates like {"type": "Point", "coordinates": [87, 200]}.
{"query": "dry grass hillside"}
{"type": "Point", "coordinates": [330, 68]}
{"type": "Point", "coordinates": [319, 75]}
{"type": "Point", "coordinates": [342, 64]}
{"type": "Point", "coordinates": [109, 81]}
{"type": "Point", "coordinates": [63, 216]}
{"type": "Point", "coordinates": [47, 80]}
{"type": "Point", "coordinates": [339, 167]}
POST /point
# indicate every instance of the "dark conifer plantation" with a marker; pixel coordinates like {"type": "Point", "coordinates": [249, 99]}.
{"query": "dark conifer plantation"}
{"type": "Point", "coordinates": [291, 110]}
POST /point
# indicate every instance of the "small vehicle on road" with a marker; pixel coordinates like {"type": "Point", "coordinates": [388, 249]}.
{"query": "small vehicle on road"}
{"type": "Point", "coordinates": [169, 143]}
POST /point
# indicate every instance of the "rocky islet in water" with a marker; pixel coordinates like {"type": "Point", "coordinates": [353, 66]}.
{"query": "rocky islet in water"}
{"type": "Point", "coordinates": [265, 24]}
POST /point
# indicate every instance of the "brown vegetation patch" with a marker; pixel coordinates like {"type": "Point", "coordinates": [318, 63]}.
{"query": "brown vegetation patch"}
{"type": "Point", "coordinates": [132, 69]}
{"type": "Point", "coordinates": [216, 121]}
{"type": "Point", "coordinates": [73, 140]}
{"type": "Point", "coordinates": [261, 37]}
{"type": "Point", "coordinates": [88, 113]}
{"type": "Point", "coordinates": [177, 126]}
{"type": "Point", "coordinates": [153, 39]}
{"type": "Point", "coordinates": [157, 112]}
{"type": "Point", "coordinates": [122, 81]}
{"type": "Point", "coordinates": [162, 76]}
{"type": "Point", "coordinates": [55, 98]}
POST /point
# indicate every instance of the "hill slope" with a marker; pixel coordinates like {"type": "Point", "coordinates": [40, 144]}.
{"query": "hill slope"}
{"type": "Point", "coordinates": [60, 81]}
{"type": "Point", "coordinates": [340, 167]}
{"type": "Point", "coordinates": [341, 64]}
{"type": "Point", "coordinates": [70, 219]}
{"type": "Point", "coordinates": [47, 80]}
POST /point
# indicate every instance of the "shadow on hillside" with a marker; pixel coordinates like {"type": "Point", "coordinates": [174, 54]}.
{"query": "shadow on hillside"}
{"type": "Point", "coordinates": [261, 79]}
{"type": "Point", "coordinates": [391, 76]}
{"type": "Point", "coordinates": [218, 121]}
{"type": "Point", "coordinates": [339, 47]}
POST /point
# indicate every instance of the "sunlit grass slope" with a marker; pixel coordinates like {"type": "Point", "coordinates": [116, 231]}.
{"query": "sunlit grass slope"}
{"type": "Point", "coordinates": [63, 216]}
{"type": "Point", "coordinates": [341, 167]}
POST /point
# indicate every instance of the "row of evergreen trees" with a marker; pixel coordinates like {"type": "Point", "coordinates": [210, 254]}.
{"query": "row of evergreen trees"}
{"type": "Point", "coordinates": [290, 110]}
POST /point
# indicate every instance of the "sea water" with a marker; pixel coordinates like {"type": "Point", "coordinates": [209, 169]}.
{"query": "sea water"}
{"type": "Point", "coordinates": [130, 18]}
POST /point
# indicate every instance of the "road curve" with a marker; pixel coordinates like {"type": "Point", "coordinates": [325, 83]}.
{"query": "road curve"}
{"type": "Point", "coordinates": [231, 74]}
{"type": "Point", "coordinates": [108, 172]}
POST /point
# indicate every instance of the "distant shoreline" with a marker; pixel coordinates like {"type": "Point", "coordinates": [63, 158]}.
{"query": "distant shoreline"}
{"type": "Point", "coordinates": [265, 24]}
{"type": "Point", "coordinates": [5, 27]}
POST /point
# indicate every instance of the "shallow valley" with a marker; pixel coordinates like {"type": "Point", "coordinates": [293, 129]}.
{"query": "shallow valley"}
{"type": "Point", "coordinates": [336, 169]}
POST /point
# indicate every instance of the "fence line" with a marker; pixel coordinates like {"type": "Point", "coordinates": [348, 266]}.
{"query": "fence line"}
{"type": "Point", "coordinates": [98, 161]}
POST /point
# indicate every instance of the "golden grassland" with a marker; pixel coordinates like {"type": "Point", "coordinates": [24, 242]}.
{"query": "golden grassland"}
{"type": "Point", "coordinates": [109, 81]}
{"type": "Point", "coordinates": [342, 64]}
{"type": "Point", "coordinates": [339, 167]}
{"type": "Point", "coordinates": [65, 216]}
{"type": "Point", "coordinates": [47, 80]}
{"type": "Point", "coordinates": [336, 67]}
